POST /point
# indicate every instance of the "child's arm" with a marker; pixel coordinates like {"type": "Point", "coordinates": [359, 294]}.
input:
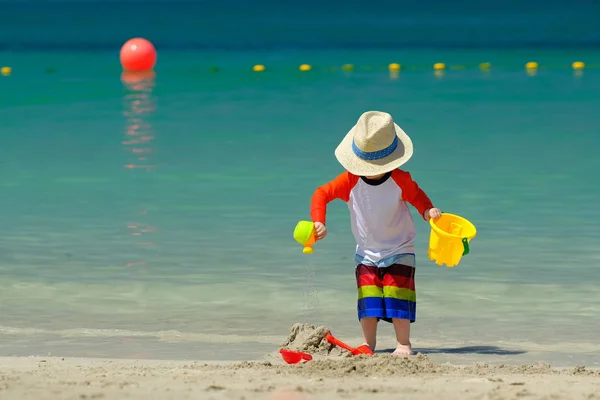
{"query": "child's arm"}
{"type": "Point", "coordinates": [412, 193]}
{"type": "Point", "coordinates": [339, 188]}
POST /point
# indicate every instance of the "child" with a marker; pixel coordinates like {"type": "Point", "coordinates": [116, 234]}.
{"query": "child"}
{"type": "Point", "coordinates": [376, 192]}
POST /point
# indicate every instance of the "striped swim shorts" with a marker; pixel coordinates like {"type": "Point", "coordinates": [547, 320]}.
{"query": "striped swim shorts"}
{"type": "Point", "coordinates": [386, 292]}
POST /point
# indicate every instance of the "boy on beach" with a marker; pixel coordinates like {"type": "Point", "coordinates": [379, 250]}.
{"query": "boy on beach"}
{"type": "Point", "coordinates": [376, 192]}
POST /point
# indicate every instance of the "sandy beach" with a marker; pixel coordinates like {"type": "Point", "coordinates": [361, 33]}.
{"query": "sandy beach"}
{"type": "Point", "coordinates": [333, 373]}
{"type": "Point", "coordinates": [341, 378]}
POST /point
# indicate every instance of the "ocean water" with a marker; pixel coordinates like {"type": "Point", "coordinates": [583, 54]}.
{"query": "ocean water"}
{"type": "Point", "coordinates": [153, 218]}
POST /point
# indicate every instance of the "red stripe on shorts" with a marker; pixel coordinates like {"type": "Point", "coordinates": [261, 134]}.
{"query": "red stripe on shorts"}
{"type": "Point", "coordinates": [369, 280]}
{"type": "Point", "coordinates": [399, 281]}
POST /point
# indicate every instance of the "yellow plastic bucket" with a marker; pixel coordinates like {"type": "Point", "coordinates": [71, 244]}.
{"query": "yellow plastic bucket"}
{"type": "Point", "coordinates": [449, 239]}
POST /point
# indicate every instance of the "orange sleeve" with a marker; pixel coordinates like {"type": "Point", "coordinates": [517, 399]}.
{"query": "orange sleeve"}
{"type": "Point", "coordinates": [339, 188]}
{"type": "Point", "coordinates": [411, 192]}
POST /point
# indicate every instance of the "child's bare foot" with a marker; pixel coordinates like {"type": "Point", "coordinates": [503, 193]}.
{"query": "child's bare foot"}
{"type": "Point", "coordinates": [403, 350]}
{"type": "Point", "coordinates": [367, 345]}
{"type": "Point", "coordinates": [402, 328]}
{"type": "Point", "coordinates": [369, 328]}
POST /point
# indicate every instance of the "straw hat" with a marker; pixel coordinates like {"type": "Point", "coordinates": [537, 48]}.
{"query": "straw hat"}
{"type": "Point", "coordinates": [375, 145]}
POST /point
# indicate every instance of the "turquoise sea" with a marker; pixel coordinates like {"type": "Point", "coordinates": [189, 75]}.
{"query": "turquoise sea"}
{"type": "Point", "coordinates": [154, 219]}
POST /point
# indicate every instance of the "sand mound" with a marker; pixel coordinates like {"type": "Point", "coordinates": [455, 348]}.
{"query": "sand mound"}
{"type": "Point", "coordinates": [378, 365]}
{"type": "Point", "coordinates": [359, 366]}
{"type": "Point", "coordinates": [311, 339]}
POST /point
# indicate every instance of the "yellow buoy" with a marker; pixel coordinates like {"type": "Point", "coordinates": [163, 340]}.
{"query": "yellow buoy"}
{"type": "Point", "coordinates": [394, 67]}
{"type": "Point", "coordinates": [347, 67]}
{"type": "Point", "coordinates": [485, 66]}
{"type": "Point", "coordinates": [439, 66]}
{"type": "Point", "coordinates": [578, 65]}
{"type": "Point", "coordinates": [258, 68]}
{"type": "Point", "coordinates": [305, 67]}
{"type": "Point", "coordinates": [532, 65]}
{"type": "Point", "coordinates": [5, 71]}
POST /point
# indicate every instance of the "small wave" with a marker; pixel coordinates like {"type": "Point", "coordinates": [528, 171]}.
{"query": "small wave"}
{"type": "Point", "coordinates": [168, 335]}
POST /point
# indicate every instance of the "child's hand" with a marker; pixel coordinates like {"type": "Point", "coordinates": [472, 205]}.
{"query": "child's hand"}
{"type": "Point", "coordinates": [321, 230]}
{"type": "Point", "coordinates": [433, 213]}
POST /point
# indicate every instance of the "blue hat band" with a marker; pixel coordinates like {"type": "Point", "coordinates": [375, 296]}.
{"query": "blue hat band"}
{"type": "Point", "coordinates": [375, 155]}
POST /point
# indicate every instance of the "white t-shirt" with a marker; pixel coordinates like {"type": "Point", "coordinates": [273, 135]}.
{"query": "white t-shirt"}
{"type": "Point", "coordinates": [381, 221]}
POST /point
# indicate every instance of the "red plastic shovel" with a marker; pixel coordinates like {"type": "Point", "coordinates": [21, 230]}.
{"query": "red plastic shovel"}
{"type": "Point", "coordinates": [294, 357]}
{"type": "Point", "coordinates": [364, 349]}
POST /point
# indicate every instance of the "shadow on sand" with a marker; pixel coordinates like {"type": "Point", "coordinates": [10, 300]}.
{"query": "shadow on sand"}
{"type": "Point", "coordinates": [489, 350]}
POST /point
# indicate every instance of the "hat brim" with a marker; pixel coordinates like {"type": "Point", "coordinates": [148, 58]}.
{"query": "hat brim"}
{"type": "Point", "coordinates": [357, 166]}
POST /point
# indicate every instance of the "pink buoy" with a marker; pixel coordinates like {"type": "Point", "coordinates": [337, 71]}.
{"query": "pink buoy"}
{"type": "Point", "coordinates": [138, 55]}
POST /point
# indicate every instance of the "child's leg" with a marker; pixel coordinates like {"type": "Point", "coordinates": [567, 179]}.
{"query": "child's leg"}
{"type": "Point", "coordinates": [400, 303]}
{"type": "Point", "coordinates": [369, 329]}
{"type": "Point", "coordinates": [370, 302]}
{"type": "Point", "coordinates": [402, 329]}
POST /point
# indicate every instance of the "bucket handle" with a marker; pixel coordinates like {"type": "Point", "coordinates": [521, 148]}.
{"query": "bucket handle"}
{"type": "Point", "coordinates": [465, 242]}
